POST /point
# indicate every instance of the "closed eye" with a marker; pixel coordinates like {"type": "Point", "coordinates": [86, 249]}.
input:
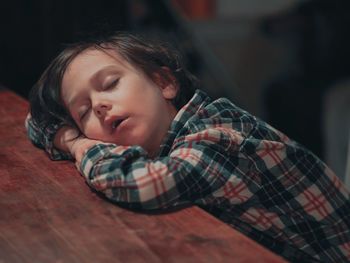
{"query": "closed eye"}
{"type": "Point", "coordinates": [112, 84]}
{"type": "Point", "coordinates": [84, 114]}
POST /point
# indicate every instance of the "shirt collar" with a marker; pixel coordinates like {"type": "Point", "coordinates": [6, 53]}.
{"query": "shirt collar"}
{"type": "Point", "coordinates": [197, 102]}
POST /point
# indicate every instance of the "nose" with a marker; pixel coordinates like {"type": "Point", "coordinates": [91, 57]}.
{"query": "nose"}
{"type": "Point", "coordinates": [102, 108]}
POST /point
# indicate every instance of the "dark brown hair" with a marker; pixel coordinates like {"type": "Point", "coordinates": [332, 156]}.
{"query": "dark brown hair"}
{"type": "Point", "coordinates": [148, 56]}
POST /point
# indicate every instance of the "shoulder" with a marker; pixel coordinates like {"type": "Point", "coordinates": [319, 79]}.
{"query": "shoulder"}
{"type": "Point", "coordinates": [222, 113]}
{"type": "Point", "coordinates": [216, 124]}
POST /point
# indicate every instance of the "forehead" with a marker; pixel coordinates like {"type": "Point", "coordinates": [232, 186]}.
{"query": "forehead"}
{"type": "Point", "coordinates": [88, 68]}
{"type": "Point", "coordinates": [93, 59]}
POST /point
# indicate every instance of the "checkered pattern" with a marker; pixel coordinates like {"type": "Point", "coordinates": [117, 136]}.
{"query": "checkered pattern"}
{"type": "Point", "coordinates": [44, 137]}
{"type": "Point", "coordinates": [236, 167]}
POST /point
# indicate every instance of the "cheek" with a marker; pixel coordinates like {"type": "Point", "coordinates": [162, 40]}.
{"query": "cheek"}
{"type": "Point", "coordinates": [92, 129]}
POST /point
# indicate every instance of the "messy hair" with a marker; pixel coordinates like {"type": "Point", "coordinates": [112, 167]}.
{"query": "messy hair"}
{"type": "Point", "coordinates": [150, 57]}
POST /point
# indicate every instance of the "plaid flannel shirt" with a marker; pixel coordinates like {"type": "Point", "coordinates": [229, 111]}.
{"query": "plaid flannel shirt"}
{"type": "Point", "coordinates": [236, 167]}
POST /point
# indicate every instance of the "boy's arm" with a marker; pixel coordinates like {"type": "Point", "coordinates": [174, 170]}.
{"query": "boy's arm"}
{"type": "Point", "coordinates": [68, 139]}
{"type": "Point", "coordinates": [195, 170]}
{"type": "Point", "coordinates": [44, 138]}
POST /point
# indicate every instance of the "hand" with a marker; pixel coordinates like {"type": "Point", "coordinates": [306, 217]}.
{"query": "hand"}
{"type": "Point", "coordinates": [69, 139]}
{"type": "Point", "coordinates": [79, 146]}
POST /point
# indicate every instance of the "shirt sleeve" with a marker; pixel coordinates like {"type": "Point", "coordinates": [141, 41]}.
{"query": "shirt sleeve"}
{"type": "Point", "coordinates": [44, 137]}
{"type": "Point", "coordinates": [194, 169]}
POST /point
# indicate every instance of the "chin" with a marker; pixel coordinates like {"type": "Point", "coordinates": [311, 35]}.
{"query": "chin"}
{"type": "Point", "coordinates": [129, 141]}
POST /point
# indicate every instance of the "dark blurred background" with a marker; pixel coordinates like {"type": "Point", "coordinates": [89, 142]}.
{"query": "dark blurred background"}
{"type": "Point", "coordinates": [279, 59]}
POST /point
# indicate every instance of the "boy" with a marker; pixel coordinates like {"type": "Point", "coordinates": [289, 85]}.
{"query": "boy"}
{"type": "Point", "coordinates": [127, 111]}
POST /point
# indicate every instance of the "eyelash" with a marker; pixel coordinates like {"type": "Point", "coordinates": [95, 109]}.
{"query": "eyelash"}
{"type": "Point", "coordinates": [112, 84]}
{"type": "Point", "coordinates": [84, 114]}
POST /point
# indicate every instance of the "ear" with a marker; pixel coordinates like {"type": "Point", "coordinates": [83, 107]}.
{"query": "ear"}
{"type": "Point", "coordinates": [166, 81]}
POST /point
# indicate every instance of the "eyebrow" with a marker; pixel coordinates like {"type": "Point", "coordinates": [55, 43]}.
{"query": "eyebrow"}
{"type": "Point", "coordinates": [101, 73]}
{"type": "Point", "coordinates": [94, 80]}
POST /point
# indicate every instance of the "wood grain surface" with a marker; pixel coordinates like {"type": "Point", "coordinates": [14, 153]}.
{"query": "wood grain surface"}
{"type": "Point", "coordinates": [49, 214]}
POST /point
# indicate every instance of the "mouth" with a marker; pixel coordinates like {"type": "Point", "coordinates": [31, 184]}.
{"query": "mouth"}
{"type": "Point", "coordinates": [117, 123]}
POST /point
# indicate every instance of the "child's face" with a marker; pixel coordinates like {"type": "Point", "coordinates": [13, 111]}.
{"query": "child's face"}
{"type": "Point", "coordinates": [112, 101]}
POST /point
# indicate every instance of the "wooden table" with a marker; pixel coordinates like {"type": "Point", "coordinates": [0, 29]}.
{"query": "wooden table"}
{"type": "Point", "coordinates": [49, 214]}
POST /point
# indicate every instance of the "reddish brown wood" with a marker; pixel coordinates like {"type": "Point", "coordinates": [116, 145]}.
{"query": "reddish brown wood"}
{"type": "Point", "coordinates": [48, 214]}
